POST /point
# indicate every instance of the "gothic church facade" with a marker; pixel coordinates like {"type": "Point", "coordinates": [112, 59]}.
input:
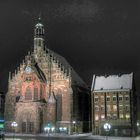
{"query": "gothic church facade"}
{"type": "Point", "coordinates": [46, 90]}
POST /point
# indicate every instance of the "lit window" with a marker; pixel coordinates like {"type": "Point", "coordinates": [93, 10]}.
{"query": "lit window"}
{"type": "Point", "coordinates": [127, 116]}
{"type": "Point", "coordinates": [120, 107]}
{"type": "Point", "coordinates": [108, 108]}
{"type": "Point", "coordinates": [127, 108]}
{"type": "Point", "coordinates": [121, 116]}
{"type": "Point", "coordinates": [102, 116]}
{"type": "Point", "coordinates": [108, 98]}
{"type": "Point", "coordinates": [102, 98]}
{"type": "Point", "coordinates": [114, 116]}
{"type": "Point", "coordinates": [114, 107]}
{"type": "Point", "coordinates": [96, 117]}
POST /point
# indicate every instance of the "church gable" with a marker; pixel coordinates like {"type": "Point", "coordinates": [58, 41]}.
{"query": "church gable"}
{"type": "Point", "coordinates": [33, 86]}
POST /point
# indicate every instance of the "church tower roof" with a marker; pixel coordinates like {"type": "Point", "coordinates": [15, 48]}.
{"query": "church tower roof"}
{"type": "Point", "coordinates": [39, 34]}
{"type": "Point", "coordinates": [39, 24]}
{"type": "Point", "coordinates": [39, 29]}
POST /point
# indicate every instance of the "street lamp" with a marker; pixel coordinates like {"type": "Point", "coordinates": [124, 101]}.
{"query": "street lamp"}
{"type": "Point", "coordinates": [45, 128]}
{"type": "Point", "coordinates": [74, 123]}
{"type": "Point", "coordinates": [60, 129]}
{"type": "Point", "coordinates": [107, 127]}
{"type": "Point", "coordinates": [138, 128]}
{"type": "Point", "coordinates": [53, 128]}
{"type": "Point", "coordinates": [14, 125]}
{"type": "Point", "coordinates": [48, 130]}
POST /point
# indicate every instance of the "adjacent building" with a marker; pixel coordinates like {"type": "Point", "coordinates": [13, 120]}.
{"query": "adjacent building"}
{"type": "Point", "coordinates": [113, 101]}
{"type": "Point", "coordinates": [45, 91]}
{"type": "Point", "coordinates": [2, 100]}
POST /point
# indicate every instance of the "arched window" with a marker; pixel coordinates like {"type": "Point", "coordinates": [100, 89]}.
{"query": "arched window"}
{"type": "Point", "coordinates": [40, 91]}
{"type": "Point", "coordinates": [59, 107]}
{"type": "Point", "coordinates": [39, 42]}
{"type": "Point", "coordinates": [28, 94]}
{"type": "Point", "coordinates": [35, 93]}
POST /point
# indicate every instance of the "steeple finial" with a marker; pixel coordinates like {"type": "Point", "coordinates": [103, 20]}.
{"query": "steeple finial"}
{"type": "Point", "coordinates": [39, 18]}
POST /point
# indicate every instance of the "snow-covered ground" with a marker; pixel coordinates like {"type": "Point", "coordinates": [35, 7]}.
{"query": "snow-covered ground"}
{"type": "Point", "coordinates": [96, 137]}
{"type": "Point", "coordinates": [84, 135]}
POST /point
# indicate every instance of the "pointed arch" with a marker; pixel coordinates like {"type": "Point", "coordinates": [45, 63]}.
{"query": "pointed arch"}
{"type": "Point", "coordinates": [35, 93]}
{"type": "Point", "coordinates": [26, 121]}
{"type": "Point", "coordinates": [28, 94]}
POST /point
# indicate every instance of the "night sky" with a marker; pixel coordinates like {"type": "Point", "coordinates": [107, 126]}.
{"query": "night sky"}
{"type": "Point", "coordinates": [95, 36]}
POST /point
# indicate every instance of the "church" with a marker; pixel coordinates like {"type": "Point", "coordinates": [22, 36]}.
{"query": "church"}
{"type": "Point", "coordinates": [45, 91]}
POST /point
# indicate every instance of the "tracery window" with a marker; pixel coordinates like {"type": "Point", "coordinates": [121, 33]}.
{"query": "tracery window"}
{"type": "Point", "coordinates": [28, 94]}
{"type": "Point", "coordinates": [30, 126]}
{"type": "Point", "coordinates": [35, 93]}
{"type": "Point", "coordinates": [23, 127]}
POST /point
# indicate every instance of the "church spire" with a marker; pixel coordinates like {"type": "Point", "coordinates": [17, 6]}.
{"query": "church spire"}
{"type": "Point", "coordinates": [39, 34]}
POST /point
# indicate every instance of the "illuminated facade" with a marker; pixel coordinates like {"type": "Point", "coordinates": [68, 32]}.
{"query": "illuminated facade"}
{"type": "Point", "coordinates": [113, 101]}
{"type": "Point", "coordinates": [44, 91]}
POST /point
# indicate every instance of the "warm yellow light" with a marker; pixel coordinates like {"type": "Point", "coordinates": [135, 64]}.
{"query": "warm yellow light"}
{"type": "Point", "coordinates": [114, 107]}
{"type": "Point", "coordinates": [96, 118]}
{"type": "Point", "coordinates": [127, 116]}
{"type": "Point", "coordinates": [102, 116]}
{"type": "Point", "coordinates": [121, 116]}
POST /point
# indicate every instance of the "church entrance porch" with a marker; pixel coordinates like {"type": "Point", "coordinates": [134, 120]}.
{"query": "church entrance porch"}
{"type": "Point", "coordinates": [28, 118]}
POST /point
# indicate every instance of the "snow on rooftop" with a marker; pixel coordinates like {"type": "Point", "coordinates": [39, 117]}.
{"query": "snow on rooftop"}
{"type": "Point", "coordinates": [112, 82]}
{"type": "Point", "coordinates": [39, 24]}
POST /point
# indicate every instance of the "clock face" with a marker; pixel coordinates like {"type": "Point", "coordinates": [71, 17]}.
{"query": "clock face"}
{"type": "Point", "coordinates": [28, 69]}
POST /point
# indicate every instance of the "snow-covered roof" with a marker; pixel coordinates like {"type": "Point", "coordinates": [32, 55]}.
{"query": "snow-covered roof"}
{"type": "Point", "coordinates": [39, 25]}
{"type": "Point", "coordinates": [112, 82]}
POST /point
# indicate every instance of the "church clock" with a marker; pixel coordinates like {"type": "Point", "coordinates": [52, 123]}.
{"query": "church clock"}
{"type": "Point", "coordinates": [28, 69]}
